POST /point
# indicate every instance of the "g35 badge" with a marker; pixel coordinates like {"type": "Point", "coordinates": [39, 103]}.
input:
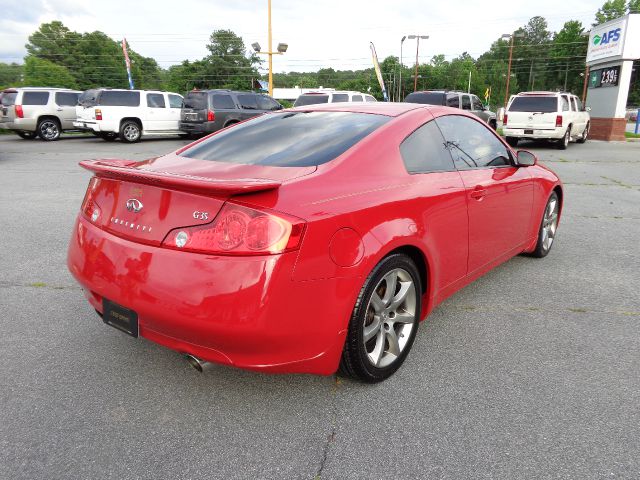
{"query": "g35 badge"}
{"type": "Point", "coordinates": [201, 215]}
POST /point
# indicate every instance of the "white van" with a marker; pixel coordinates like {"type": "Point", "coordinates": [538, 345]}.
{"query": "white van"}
{"type": "Point", "coordinates": [128, 114]}
{"type": "Point", "coordinates": [334, 96]}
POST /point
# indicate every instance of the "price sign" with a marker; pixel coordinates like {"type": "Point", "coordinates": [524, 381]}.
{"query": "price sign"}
{"type": "Point", "coordinates": [609, 76]}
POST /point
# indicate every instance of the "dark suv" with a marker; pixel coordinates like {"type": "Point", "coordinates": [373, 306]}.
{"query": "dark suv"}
{"type": "Point", "coordinates": [205, 111]}
{"type": "Point", "coordinates": [455, 99]}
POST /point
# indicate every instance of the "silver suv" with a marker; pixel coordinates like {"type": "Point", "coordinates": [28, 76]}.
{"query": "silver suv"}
{"type": "Point", "coordinates": [455, 99]}
{"type": "Point", "coordinates": [31, 111]}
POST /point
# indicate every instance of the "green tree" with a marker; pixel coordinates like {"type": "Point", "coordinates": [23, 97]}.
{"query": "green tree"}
{"type": "Point", "coordinates": [610, 10]}
{"type": "Point", "coordinates": [44, 73]}
{"type": "Point", "coordinates": [568, 51]}
{"type": "Point", "coordinates": [634, 6]}
{"type": "Point", "coordinates": [10, 74]}
{"type": "Point", "coordinates": [228, 64]}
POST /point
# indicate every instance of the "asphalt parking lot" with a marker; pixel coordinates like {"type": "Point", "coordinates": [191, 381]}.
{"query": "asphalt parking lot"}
{"type": "Point", "coordinates": [530, 372]}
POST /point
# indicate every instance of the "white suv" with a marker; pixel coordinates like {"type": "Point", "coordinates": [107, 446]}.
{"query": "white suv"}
{"type": "Point", "coordinates": [334, 96]}
{"type": "Point", "coordinates": [554, 116]}
{"type": "Point", "coordinates": [128, 114]}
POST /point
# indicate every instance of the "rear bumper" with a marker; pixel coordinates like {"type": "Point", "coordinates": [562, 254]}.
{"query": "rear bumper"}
{"type": "Point", "coordinates": [86, 126]}
{"type": "Point", "coordinates": [535, 133]}
{"type": "Point", "coordinates": [19, 124]}
{"type": "Point", "coordinates": [240, 311]}
{"type": "Point", "coordinates": [198, 128]}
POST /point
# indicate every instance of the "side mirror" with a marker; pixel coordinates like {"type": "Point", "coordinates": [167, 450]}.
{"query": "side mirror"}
{"type": "Point", "coordinates": [526, 158]}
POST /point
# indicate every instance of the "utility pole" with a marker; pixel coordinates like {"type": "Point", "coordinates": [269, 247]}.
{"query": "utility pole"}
{"type": "Point", "coordinates": [401, 65]}
{"type": "Point", "coordinates": [566, 72]}
{"type": "Point", "coordinates": [417, 37]}
{"type": "Point", "coordinates": [506, 93]}
{"type": "Point", "coordinates": [531, 76]}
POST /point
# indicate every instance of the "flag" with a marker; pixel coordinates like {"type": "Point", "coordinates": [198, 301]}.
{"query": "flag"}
{"type": "Point", "coordinates": [486, 94]}
{"type": "Point", "coordinates": [127, 62]}
{"type": "Point", "coordinates": [376, 67]}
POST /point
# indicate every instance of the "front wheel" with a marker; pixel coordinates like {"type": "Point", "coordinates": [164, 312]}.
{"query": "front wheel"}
{"type": "Point", "coordinates": [512, 141]}
{"type": "Point", "coordinates": [27, 135]}
{"type": "Point", "coordinates": [548, 227]}
{"type": "Point", "coordinates": [49, 129]}
{"type": "Point", "coordinates": [384, 321]}
{"type": "Point", "coordinates": [130, 132]}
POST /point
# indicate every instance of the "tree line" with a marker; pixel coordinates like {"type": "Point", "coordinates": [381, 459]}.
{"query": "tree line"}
{"type": "Point", "coordinates": [542, 60]}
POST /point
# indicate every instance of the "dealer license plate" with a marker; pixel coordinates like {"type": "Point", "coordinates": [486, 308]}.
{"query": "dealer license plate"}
{"type": "Point", "coordinates": [120, 317]}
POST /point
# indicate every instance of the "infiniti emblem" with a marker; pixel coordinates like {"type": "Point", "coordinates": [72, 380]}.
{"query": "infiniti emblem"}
{"type": "Point", "coordinates": [134, 205]}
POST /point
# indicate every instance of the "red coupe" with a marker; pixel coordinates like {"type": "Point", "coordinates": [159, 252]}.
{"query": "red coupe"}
{"type": "Point", "coordinates": [309, 239]}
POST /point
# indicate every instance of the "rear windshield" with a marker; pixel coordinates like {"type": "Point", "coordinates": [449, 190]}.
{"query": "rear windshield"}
{"type": "Point", "coordinates": [429, 98]}
{"type": "Point", "coordinates": [119, 98]}
{"type": "Point", "coordinates": [9, 98]}
{"type": "Point", "coordinates": [311, 100]}
{"type": "Point", "coordinates": [534, 104]}
{"type": "Point", "coordinates": [196, 100]}
{"type": "Point", "coordinates": [88, 98]}
{"type": "Point", "coordinates": [288, 139]}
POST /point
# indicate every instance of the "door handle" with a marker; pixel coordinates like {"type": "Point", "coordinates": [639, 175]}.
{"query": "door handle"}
{"type": "Point", "coordinates": [58, 109]}
{"type": "Point", "coordinates": [478, 193]}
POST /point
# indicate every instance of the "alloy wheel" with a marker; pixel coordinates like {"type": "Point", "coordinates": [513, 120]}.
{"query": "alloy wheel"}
{"type": "Point", "coordinates": [49, 130]}
{"type": "Point", "coordinates": [131, 132]}
{"type": "Point", "coordinates": [389, 318]}
{"type": "Point", "coordinates": [549, 224]}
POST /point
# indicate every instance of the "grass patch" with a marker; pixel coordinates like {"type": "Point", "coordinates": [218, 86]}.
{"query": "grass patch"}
{"type": "Point", "coordinates": [631, 135]}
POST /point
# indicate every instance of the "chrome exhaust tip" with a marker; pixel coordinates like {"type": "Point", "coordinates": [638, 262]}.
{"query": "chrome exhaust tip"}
{"type": "Point", "coordinates": [196, 362]}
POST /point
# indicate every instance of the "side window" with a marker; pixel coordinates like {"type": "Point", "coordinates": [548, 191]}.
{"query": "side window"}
{"type": "Point", "coordinates": [340, 97]}
{"type": "Point", "coordinates": [175, 101]}
{"type": "Point", "coordinates": [369, 98]}
{"type": "Point", "coordinates": [565, 103]}
{"type": "Point", "coordinates": [356, 98]}
{"type": "Point", "coordinates": [119, 98]}
{"type": "Point", "coordinates": [266, 103]}
{"type": "Point", "coordinates": [425, 151]}
{"type": "Point", "coordinates": [66, 99]}
{"type": "Point", "coordinates": [574, 106]}
{"type": "Point", "coordinates": [477, 104]}
{"type": "Point", "coordinates": [466, 102]}
{"type": "Point", "coordinates": [453, 101]}
{"type": "Point", "coordinates": [223, 102]}
{"type": "Point", "coordinates": [472, 145]}
{"type": "Point", "coordinates": [35, 98]}
{"type": "Point", "coordinates": [248, 101]}
{"type": "Point", "coordinates": [579, 104]}
{"type": "Point", "coordinates": [155, 100]}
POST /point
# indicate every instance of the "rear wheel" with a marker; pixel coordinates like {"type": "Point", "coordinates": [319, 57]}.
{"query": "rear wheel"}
{"type": "Point", "coordinates": [49, 129]}
{"type": "Point", "coordinates": [548, 227]}
{"type": "Point", "coordinates": [493, 124]}
{"type": "Point", "coordinates": [27, 135]}
{"type": "Point", "coordinates": [384, 321]}
{"type": "Point", "coordinates": [564, 142]}
{"type": "Point", "coordinates": [513, 141]}
{"type": "Point", "coordinates": [585, 134]}
{"type": "Point", "coordinates": [130, 132]}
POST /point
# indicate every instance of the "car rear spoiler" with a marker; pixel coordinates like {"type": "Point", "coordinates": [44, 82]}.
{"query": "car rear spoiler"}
{"type": "Point", "coordinates": [126, 170]}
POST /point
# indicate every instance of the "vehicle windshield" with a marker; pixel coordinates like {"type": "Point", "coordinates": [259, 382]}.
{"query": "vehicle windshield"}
{"type": "Point", "coordinates": [288, 139]}
{"type": "Point", "coordinates": [9, 98]}
{"type": "Point", "coordinates": [88, 98]}
{"type": "Point", "coordinates": [311, 100]}
{"type": "Point", "coordinates": [196, 100]}
{"type": "Point", "coordinates": [429, 98]}
{"type": "Point", "coordinates": [534, 104]}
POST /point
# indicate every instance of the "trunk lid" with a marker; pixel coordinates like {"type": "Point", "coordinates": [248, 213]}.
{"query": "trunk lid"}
{"type": "Point", "coordinates": [533, 112]}
{"type": "Point", "coordinates": [143, 201]}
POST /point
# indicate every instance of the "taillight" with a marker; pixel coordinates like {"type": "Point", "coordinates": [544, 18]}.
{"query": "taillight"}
{"type": "Point", "coordinates": [98, 114]}
{"type": "Point", "coordinates": [558, 120]}
{"type": "Point", "coordinates": [19, 111]}
{"type": "Point", "coordinates": [90, 208]}
{"type": "Point", "coordinates": [504, 119]}
{"type": "Point", "coordinates": [240, 230]}
{"type": "Point", "coordinates": [210, 116]}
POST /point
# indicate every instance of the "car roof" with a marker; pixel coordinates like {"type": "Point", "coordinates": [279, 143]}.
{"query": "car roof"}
{"type": "Point", "coordinates": [533, 94]}
{"type": "Point", "coordinates": [390, 109]}
{"type": "Point", "coordinates": [28, 89]}
{"type": "Point", "coordinates": [320, 92]}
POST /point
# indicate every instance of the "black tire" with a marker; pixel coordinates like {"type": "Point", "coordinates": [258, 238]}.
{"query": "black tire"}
{"type": "Point", "coordinates": [356, 361]}
{"type": "Point", "coordinates": [49, 129]}
{"type": "Point", "coordinates": [130, 131]}
{"type": "Point", "coordinates": [108, 136]}
{"type": "Point", "coordinates": [564, 141]}
{"type": "Point", "coordinates": [512, 141]}
{"type": "Point", "coordinates": [493, 124]}
{"type": "Point", "coordinates": [27, 135]}
{"type": "Point", "coordinates": [542, 250]}
{"type": "Point", "coordinates": [585, 134]}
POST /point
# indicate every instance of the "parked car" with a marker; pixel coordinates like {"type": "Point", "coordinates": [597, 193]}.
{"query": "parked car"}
{"type": "Point", "coordinates": [556, 116]}
{"type": "Point", "coordinates": [334, 96]}
{"type": "Point", "coordinates": [265, 247]}
{"type": "Point", "coordinates": [34, 111]}
{"type": "Point", "coordinates": [128, 114]}
{"type": "Point", "coordinates": [455, 99]}
{"type": "Point", "coordinates": [206, 111]}
{"type": "Point", "coordinates": [632, 114]}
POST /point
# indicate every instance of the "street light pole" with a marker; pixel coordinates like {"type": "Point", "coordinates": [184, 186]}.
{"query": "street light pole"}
{"type": "Point", "coordinates": [282, 48]}
{"type": "Point", "coordinates": [417, 37]}
{"type": "Point", "coordinates": [401, 65]}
